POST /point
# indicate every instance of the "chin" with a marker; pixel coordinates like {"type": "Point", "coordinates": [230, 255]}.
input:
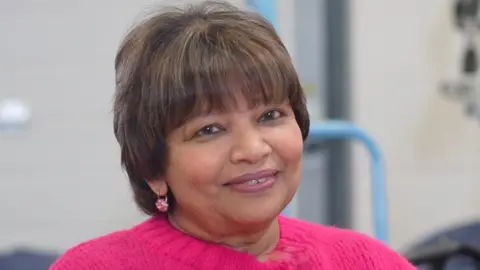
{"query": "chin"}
{"type": "Point", "coordinates": [257, 209]}
{"type": "Point", "coordinates": [258, 215]}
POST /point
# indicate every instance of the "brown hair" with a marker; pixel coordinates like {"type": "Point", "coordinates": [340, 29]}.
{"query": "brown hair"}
{"type": "Point", "coordinates": [178, 63]}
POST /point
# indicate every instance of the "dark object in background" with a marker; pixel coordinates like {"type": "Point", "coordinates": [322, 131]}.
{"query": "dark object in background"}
{"type": "Point", "coordinates": [454, 249]}
{"type": "Point", "coordinates": [466, 12]}
{"type": "Point", "coordinates": [26, 260]}
{"type": "Point", "coordinates": [470, 60]}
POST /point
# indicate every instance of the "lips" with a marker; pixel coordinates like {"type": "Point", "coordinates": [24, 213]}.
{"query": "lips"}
{"type": "Point", "coordinates": [253, 178]}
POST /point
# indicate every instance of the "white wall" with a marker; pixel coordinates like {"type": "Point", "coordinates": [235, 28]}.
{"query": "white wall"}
{"type": "Point", "coordinates": [61, 181]}
{"type": "Point", "coordinates": [401, 51]}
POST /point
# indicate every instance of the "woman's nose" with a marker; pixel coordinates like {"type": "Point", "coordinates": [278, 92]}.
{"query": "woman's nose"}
{"type": "Point", "coordinates": [249, 146]}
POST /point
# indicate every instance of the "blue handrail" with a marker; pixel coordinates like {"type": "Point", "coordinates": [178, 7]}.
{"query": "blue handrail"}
{"type": "Point", "coordinates": [346, 130]}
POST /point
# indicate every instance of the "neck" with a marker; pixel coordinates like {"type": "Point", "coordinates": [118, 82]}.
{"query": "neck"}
{"type": "Point", "coordinates": [259, 240]}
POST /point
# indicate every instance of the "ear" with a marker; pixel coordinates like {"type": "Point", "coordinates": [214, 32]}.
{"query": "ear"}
{"type": "Point", "coordinates": [158, 186]}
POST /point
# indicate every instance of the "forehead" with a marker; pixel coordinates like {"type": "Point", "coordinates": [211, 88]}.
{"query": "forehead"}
{"type": "Point", "coordinates": [237, 103]}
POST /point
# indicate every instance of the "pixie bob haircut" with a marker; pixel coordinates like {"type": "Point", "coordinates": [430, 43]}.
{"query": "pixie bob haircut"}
{"type": "Point", "coordinates": [179, 63]}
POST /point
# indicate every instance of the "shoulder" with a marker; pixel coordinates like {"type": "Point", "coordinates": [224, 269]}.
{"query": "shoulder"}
{"type": "Point", "coordinates": [342, 246]}
{"type": "Point", "coordinates": [98, 253]}
{"type": "Point", "coordinates": [110, 251]}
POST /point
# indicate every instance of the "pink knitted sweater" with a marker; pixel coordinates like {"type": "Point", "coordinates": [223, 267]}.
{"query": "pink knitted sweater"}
{"type": "Point", "coordinates": [156, 245]}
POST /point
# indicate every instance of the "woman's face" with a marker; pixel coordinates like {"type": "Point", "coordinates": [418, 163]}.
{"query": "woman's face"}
{"type": "Point", "coordinates": [241, 167]}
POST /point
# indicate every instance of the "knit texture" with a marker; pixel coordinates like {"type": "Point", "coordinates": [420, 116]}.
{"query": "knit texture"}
{"type": "Point", "coordinates": [156, 245]}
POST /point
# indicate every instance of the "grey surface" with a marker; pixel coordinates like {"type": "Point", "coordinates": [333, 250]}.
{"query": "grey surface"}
{"type": "Point", "coordinates": [322, 59]}
{"type": "Point", "coordinates": [312, 200]}
{"type": "Point", "coordinates": [310, 51]}
{"type": "Point", "coordinates": [338, 107]}
{"type": "Point", "coordinates": [61, 181]}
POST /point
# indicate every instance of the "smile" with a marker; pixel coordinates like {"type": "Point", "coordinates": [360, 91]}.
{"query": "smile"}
{"type": "Point", "coordinates": [254, 182]}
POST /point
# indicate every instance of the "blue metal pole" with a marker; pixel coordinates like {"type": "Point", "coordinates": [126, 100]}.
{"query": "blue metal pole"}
{"type": "Point", "coordinates": [343, 129]}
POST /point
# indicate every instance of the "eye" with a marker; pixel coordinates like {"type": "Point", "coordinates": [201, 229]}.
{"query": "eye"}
{"type": "Point", "coordinates": [271, 115]}
{"type": "Point", "coordinates": [209, 130]}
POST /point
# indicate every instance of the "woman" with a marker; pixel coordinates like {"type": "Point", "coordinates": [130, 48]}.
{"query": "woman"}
{"type": "Point", "coordinates": [210, 117]}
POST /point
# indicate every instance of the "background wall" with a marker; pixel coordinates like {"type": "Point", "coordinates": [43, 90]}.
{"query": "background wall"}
{"type": "Point", "coordinates": [61, 181]}
{"type": "Point", "coordinates": [402, 51]}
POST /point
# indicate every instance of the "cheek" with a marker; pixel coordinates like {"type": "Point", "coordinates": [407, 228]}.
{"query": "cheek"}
{"type": "Point", "coordinates": [195, 167]}
{"type": "Point", "coordinates": [289, 146]}
{"type": "Point", "coordinates": [293, 151]}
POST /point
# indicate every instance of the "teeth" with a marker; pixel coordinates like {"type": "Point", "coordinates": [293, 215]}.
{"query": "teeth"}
{"type": "Point", "coordinates": [256, 181]}
{"type": "Point", "coordinates": [262, 180]}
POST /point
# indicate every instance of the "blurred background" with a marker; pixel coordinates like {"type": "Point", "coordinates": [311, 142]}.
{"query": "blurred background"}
{"type": "Point", "coordinates": [405, 71]}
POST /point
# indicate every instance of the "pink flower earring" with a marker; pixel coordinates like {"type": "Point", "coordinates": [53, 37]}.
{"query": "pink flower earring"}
{"type": "Point", "coordinates": [162, 204]}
